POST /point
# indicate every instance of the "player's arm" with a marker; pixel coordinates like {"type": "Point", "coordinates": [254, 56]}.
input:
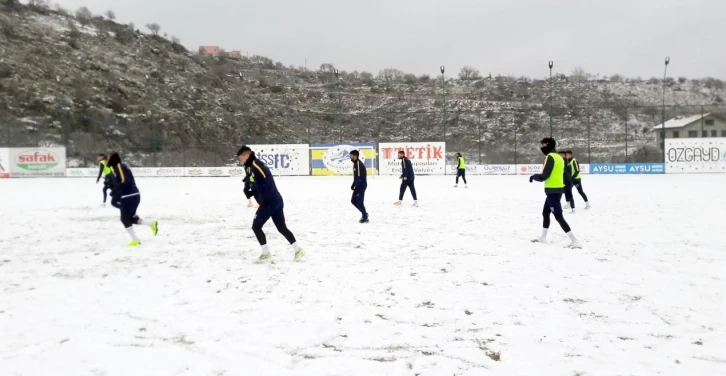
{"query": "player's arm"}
{"type": "Point", "coordinates": [549, 165]}
{"type": "Point", "coordinates": [100, 172]}
{"type": "Point", "coordinates": [576, 170]}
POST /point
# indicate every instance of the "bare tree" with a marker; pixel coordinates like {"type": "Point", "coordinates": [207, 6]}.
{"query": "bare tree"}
{"type": "Point", "coordinates": [155, 28]}
{"type": "Point", "coordinates": [84, 15]}
{"type": "Point", "coordinates": [327, 67]}
{"type": "Point", "coordinates": [578, 74]}
{"type": "Point", "coordinates": [59, 8]}
{"type": "Point", "coordinates": [468, 73]}
{"type": "Point", "coordinates": [111, 15]}
{"type": "Point", "coordinates": [132, 26]}
{"type": "Point", "coordinates": [175, 39]}
{"type": "Point", "coordinates": [391, 75]}
{"type": "Point", "coordinates": [366, 76]}
{"type": "Point", "coordinates": [409, 78]}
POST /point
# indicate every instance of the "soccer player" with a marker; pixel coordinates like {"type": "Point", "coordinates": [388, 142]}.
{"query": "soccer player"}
{"type": "Point", "coordinates": [249, 193]}
{"type": "Point", "coordinates": [460, 170]}
{"type": "Point", "coordinates": [577, 179]}
{"type": "Point", "coordinates": [271, 204]}
{"type": "Point", "coordinates": [106, 172]}
{"type": "Point", "coordinates": [407, 177]}
{"type": "Point", "coordinates": [360, 183]}
{"type": "Point", "coordinates": [568, 182]}
{"type": "Point", "coordinates": [553, 176]}
{"type": "Point", "coordinates": [126, 197]}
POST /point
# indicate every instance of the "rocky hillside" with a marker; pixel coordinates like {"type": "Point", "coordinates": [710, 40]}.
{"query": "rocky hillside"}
{"type": "Point", "coordinates": [92, 84]}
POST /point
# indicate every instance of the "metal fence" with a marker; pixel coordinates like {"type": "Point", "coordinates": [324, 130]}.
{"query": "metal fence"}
{"type": "Point", "coordinates": [501, 136]}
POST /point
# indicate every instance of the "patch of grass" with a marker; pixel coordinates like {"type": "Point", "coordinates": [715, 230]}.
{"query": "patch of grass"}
{"type": "Point", "coordinates": [495, 356]}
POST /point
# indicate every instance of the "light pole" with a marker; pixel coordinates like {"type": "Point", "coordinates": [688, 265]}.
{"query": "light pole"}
{"type": "Point", "coordinates": [662, 116]}
{"type": "Point", "coordinates": [443, 88]}
{"type": "Point", "coordinates": [337, 95]}
{"type": "Point", "coordinates": [551, 64]}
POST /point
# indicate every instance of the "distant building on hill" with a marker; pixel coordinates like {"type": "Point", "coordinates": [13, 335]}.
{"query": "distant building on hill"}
{"type": "Point", "coordinates": [216, 51]}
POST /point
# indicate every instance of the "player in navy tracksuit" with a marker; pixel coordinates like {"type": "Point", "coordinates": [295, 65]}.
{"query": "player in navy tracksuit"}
{"type": "Point", "coordinates": [568, 181]}
{"type": "Point", "coordinates": [360, 183]}
{"type": "Point", "coordinates": [126, 197]}
{"type": "Point", "coordinates": [407, 178]}
{"type": "Point", "coordinates": [271, 204]}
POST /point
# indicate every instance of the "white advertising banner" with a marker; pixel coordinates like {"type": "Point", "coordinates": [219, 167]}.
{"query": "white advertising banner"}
{"type": "Point", "coordinates": [89, 172]}
{"type": "Point", "coordinates": [4, 163]}
{"type": "Point", "coordinates": [427, 158]}
{"type": "Point", "coordinates": [37, 162]}
{"type": "Point", "coordinates": [704, 155]}
{"type": "Point", "coordinates": [529, 169]}
{"type": "Point", "coordinates": [291, 160]}
{"type": "Point", "coordinates": [489, 169]}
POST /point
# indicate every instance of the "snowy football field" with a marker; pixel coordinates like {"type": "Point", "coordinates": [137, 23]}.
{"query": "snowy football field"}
{"type": "Point", "coordinates": [453, 287]}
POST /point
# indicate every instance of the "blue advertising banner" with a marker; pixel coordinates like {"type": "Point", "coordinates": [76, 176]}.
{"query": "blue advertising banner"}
{"type": "Point", "coordinates": [627, 168]}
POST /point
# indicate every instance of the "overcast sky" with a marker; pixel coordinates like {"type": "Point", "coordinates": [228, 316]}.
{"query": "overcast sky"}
{"type": "Point", "coordinates": [508, 37]}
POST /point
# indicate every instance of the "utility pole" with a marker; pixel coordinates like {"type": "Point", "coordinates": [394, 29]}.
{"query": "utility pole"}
{"type": "Point", "coordinates": [337, 95]}
{"type": "Point", "coordinates": [443, 86]}
{"type": "Point", "coordinates": [551, 64]}
{"type": "Point", "coordinates": [663, 132]}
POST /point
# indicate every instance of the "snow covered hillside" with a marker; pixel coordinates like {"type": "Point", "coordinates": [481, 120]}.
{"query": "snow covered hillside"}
{"type": "Point", "coordinates": [453, 287]}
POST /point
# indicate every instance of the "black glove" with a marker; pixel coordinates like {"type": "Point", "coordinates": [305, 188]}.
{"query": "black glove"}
{"type": "Point", "coordinates": [352, 187]}
{"type": "Point", "coordinates": [531, 178]}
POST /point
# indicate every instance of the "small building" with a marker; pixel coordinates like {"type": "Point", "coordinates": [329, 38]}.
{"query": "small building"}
{"type": "Point", "coordinates": [706, 125]}
{"type": "Point", "coordinates": [235, 54]}
{"type": "Point", "coordinates": [209, 50]}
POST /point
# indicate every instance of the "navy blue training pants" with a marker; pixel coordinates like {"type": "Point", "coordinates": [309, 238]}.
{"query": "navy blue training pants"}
{"type": "Point", "coordinates": [407, 184]}
{"type": "Point", "coordinates": [357, 200]}
{"type": "Point", "coordinates": [128, 210]}
{"type": "Point", "coordinates": [552, 206]}
{"type": "Point", "coordinates": [271, 209]}
{"type": "Point", "coordinates": [578, 185]}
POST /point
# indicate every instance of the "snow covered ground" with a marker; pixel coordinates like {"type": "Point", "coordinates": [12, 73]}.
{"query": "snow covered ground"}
{"type": "Point", "coordinates": [453, 287]}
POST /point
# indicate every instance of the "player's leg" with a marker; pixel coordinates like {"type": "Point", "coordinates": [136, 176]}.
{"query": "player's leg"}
{"type": "Point", "coordinates": [360, 200]}
{"type": "Point", "coordinates": [546, 212]}
{"type": "Point", "coordinates": [568, 198]}
{"type": "Point", "coordinates": [578, 185]}
{"type": "Point", "coordinates": [553, 199]}
{"type": "Point", "coordinates": [278, 218]}
{"type": "Point", "coordinates": [463, 176]}
{"type": "Point", "coordinates": [401, 191]}
{"type": "Point", "coordinates": [154, 225]}
{"type": "Point", "coordinates": [129, 217]}
{"type": "Point", "coordinates": [458, 174]}
{"type": "Point", "coordinates": [263, 214]}
{"type": "Point", "coordinates": [412, 188]}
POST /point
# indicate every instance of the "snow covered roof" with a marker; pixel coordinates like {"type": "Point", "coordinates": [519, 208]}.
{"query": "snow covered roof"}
{"type": "Point", "coordinates": [681, 121]}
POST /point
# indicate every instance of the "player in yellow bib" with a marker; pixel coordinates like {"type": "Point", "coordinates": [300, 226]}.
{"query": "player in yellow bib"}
{"type": "Point", "coordinates": [553, 177]}
{"type": "Point", "coordinates": [107, 174]}
{"type": "Point", "coordinates": [460, 169]}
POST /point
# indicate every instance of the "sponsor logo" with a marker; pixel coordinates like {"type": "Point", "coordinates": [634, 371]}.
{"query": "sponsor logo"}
{"type": "Point", "coordinates": [275, 160]}
{"type": "Point", "coordinates": [696, 154]}
{"type": "Point", "coordinates": [195, 172]}
{"type": "Point", "coordinates": [497, 168]}
{"type": "Point", "coordinates": [530, 168]}
{"type": "Point", "coordinates": [36, 160]}
{"type": "Point", "coordinates": [422, 152]}
{"type": "Point", "coordinates": [337, 159]}
{"type": "Point", "coordinates": [627, 168]}
{"type": "Point", "coordinates": [169, 172]}
{"type": "Point", "coordinates": [235, 171]}
{"type": "Point", "coordinates": [75, 172]}
{"type": "Point", "coordinates": [216, 172]}
{"type": "Point", "coordinates": [143, 171]}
